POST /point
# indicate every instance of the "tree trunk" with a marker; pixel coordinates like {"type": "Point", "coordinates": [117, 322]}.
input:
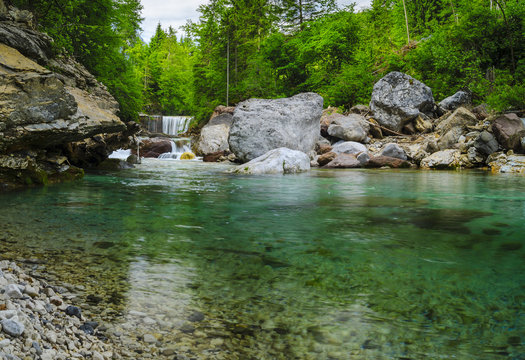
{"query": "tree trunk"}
{"type": "Point", "coordinates": [406, 22]}
{"type": "Point", "coordinates": [511, 39]}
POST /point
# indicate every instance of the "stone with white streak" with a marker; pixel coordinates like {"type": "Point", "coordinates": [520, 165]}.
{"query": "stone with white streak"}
{"type": "Point", "coordinates": [277, 161]}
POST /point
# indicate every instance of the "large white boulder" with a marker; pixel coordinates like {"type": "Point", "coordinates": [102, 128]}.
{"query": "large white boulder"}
{"type": "Point", "coordinates": [262, 125]}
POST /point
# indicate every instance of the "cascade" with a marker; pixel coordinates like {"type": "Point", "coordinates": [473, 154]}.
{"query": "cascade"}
{"type": "Point", "coordinates": [174, 125]}
{"type": "Point", "coordinates": [153, 123]}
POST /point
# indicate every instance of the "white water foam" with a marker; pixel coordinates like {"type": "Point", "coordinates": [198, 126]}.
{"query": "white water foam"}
{"type": "Point", "coordinates": [174, 125]}
{"type": "Point", "coordinates": [120, 154]}
{"type": "Point", "coordinates": [177, 149]}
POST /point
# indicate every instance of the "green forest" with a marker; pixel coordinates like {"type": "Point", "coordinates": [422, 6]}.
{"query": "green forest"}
{"type": "Point", "coordinates": [240, 49]}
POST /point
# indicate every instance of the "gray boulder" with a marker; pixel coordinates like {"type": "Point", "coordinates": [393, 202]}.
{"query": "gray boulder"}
{"type": "Point", "coordinates": [399, 98]}
{"type": "Point", "coordinates": [344, 161]}
{"type": "Point", "coordinates": [394, 150]}
{"type": "Point", "coordinates": [461, 117]}
{"type": "Point", "coordinates": [353, 127]}
{"type": "Point", "coordinates": [454, 126]}
{"type": "Point", "coordinates": [486, 144]}
{"type": "Point", "coordinates": [451, 138]}
{"type": "Point", "coordinates": [263, 125]}
{"type": "Point", "coordinates": [214, 135]}
{"type": "Point", "coordinates": [276, 161]}
{"type": "Point", "coordinates": [225, 118]}
{"type": "Point", "coordinates": [444, 159]}
{"type": "Point", "coordinates": [348, 147]}
{"type": "Point", "coordinates": [460, 98]}
{"type": "Point", "coordinates": [509, 130]}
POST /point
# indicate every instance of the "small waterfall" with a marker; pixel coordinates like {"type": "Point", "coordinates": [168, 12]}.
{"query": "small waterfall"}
{"type": "Point", "coordinates": [153, 123]}
{"type": "Point", "coordinates": [174, 125]}
{"type": "Point", "coordinates": [178, 147]}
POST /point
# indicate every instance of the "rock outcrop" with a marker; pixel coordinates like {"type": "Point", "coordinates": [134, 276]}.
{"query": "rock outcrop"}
{"type": "Point", "coordinates": [398, 98]}
{"type": "Point", "coordinates": [394, 150]}
{"type": "Point", "coordinates": [276, 161]}
{"type": "Point", "coordinates": [263, 125]}
{"type": "Point", "coordinates": [43, 111]}
{"type": "Point", "coordinates": [502, 163]}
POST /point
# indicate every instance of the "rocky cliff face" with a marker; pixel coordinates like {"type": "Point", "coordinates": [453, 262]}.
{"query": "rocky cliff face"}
{"type": "Point", "coordinates": [49, 107]}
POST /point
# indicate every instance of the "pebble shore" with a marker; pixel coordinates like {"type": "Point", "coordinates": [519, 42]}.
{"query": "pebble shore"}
{"type": "Point", "coordinates": [40, 321]}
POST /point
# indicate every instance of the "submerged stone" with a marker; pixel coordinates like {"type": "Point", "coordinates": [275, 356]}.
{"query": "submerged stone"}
{"type": "Point", "coordinates": [491, 231]}
{"type": "Point", "coordinates": [449, 220]}
{"type": "Point", "coordinates": [511, 246]}
{"type": "Point", "coordinates": [196, 316]}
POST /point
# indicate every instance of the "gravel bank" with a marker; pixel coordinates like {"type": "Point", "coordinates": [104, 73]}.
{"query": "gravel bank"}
{"type": "Point", "coordinates": [40, 321]}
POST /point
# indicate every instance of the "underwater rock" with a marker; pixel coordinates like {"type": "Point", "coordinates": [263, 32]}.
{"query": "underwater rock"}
{"type": "Point", "coordinates": [449, 220]}
{"type": "Point", "coordinates": [196, 316]}
{"type": "Point", "coordinates": [74, 311]}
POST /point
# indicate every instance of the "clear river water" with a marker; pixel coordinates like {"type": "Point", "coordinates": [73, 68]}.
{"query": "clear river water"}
{"type": "Point", "coordinates": [347, 264]}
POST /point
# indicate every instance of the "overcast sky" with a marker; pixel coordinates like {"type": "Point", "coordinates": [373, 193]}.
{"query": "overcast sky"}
{"type": "Point", "coordinates": [177, 12]}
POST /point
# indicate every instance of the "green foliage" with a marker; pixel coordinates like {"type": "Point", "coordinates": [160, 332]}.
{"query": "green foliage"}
{"type": "Point", "coordinates": [273, 48]}
{"type": "Point", "coordinates": [95, 33]}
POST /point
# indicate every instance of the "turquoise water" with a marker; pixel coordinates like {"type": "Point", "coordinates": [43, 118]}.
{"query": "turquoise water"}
{"type": "Point", "coordinates": [357, 264]}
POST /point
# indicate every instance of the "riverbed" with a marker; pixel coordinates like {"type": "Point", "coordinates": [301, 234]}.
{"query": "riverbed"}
{"type": "Point", "coordinates": [183, 259]}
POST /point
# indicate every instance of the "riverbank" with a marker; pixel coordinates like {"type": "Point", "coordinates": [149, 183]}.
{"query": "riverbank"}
{"type": "Point", "coordinates": [39, 320]}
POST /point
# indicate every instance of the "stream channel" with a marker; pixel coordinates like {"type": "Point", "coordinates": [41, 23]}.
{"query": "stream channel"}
{"type": "Point", "coordinates": [347, 264]}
